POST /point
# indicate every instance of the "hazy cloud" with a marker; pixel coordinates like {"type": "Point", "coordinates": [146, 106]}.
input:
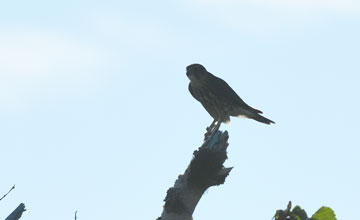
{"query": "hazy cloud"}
{"type": "Point", "coordinates": [34, 59]}
{"type": "Point", "coordinates": [321, 5]}
{"type": "Point", "coordinates": [274, 17]}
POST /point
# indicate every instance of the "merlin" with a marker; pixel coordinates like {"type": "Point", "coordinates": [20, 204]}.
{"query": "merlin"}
{"type": "Point", "coordinates": [218, 98]}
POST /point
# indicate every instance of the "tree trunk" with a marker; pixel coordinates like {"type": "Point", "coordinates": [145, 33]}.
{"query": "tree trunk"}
{"type": "Point", "coordinates": [205, 170]}
{"type": "Point", "coordinates": [16, 214]}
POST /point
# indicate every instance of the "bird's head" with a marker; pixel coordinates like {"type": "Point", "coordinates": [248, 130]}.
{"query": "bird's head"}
{"type": "Point", "coordinates": [196, 72]}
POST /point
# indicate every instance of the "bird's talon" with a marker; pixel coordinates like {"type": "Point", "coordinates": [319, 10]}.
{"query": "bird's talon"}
{"type": "Point", "coordinates": [207, 134]}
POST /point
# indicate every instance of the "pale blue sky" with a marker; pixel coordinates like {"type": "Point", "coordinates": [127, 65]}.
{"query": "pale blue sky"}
{"type": "Point", "coordinates": [95, 114]}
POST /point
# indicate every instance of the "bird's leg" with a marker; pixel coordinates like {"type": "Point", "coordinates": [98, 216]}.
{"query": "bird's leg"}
{"type": "Point", "coordinates": [212, 131]}
{"type": "Point", "coordinates": [208, 129]}
{"type": "Point", "coordinates": [216, 127]}
{"type": "Point", "coordinates": [211, 128]}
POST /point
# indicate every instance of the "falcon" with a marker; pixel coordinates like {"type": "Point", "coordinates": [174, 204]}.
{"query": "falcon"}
{"type": "Point", "coordinates": [218, 98]}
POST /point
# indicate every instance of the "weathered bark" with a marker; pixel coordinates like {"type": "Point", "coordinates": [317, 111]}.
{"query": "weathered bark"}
{"type": "Point", "coordinates": [16, 214]}
{"type": "Point", "coordinates": [205, 170]}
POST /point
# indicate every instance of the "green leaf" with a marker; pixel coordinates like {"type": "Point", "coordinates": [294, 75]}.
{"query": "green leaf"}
{"type": "Point", "coordinates": [295, 217]}
{"type": "Point", "coordinates": [324, 213]}
{"type": "Point", "coordinates": [299, 212]}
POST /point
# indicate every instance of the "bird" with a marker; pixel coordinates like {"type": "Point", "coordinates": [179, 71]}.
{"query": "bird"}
{"type": "Point", "coordinates": [218, 98]}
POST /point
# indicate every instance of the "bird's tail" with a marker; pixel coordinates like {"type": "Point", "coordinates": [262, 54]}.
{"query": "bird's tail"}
{"type": "Point", "coordinates": [262, 119]}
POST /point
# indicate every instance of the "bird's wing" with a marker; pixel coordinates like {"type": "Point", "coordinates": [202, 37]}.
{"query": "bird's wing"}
{"type": "Point", "coordinates": [193, 93]}
{"type": "Point", "coordinates": [224, 92]}
{"type": "Point", "coordinates": [203, 99]}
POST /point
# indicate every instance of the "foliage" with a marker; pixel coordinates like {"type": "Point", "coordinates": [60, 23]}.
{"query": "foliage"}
{"type": "Point", "coordinates": [297, 213]}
